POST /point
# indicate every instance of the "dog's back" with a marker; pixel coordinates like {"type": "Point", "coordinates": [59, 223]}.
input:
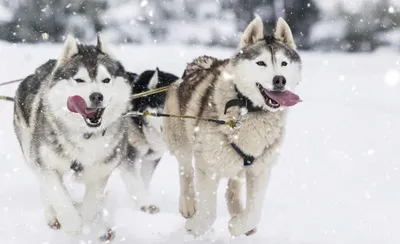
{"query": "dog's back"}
{"type": "Point", "coordinates": [26, 94]}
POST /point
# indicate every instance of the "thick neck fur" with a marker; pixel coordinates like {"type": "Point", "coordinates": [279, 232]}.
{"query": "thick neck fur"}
{"type": "Point", "coordinates": [259, 130]}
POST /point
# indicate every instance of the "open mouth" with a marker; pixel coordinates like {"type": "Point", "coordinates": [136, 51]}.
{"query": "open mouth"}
{"type": "Point", "coordinates": [94, 117]}
{"type": "Point", "coordinates": [91, 116]}
{"type": "Point", "coordinates": [275, 99]}
{"type": "Point", "coordinates": [269, 101]}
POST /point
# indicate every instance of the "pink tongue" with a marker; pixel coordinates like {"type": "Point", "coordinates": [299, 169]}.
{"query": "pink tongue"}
{"type": "Point", "coordinates": [285, 98]}
{"type": "Point", "coordinates": [77, 104]}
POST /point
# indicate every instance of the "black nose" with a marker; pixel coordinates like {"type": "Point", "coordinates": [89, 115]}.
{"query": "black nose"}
{"type": "Point", "coordinates": [279, 82]}
{"type": "Point", "coordinates": [96, 98]}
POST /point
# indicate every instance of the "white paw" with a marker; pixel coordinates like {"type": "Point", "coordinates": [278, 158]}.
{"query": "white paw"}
{"type": "Point", "coordinates": [197, 226]}
{"type": "Point", "coordinates": [241, 224]}
{"type": "Point", "coordinates": [72, 223]}
{"type": "Point", "coordinates": [187, 206]}
{"type": "Point", "coordinates": [151, 209]}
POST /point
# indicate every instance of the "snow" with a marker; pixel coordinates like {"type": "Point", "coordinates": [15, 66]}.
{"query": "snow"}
{"type": "Point", "coordinates": [337, 180]}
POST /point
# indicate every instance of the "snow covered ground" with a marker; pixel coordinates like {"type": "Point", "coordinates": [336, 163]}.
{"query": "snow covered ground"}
{"type": "Point", "coordinates": [337, 181]}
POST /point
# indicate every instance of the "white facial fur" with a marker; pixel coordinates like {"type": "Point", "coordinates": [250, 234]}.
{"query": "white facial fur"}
{"type": "Point", "coordinates": [248, 72]}
{"type": "Point", "coordinates": [116, 98]}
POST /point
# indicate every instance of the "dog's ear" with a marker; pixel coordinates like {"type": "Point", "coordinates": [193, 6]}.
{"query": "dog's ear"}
{"type": "Point", "coordinates": [103, 47]}
{"type": "Point", "coordinates": [70, 49]}
{"type": "Point", "coordinates": [254, 32]}
{"type": "Point", "coordinates": [284, 34]}
{"type": "Point", "coordinates": [154, 80]}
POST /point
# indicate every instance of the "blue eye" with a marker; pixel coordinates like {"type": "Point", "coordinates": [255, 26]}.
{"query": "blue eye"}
{"type": "Point", "coordinates": [261, 63]}
{"type": "Point", "coordinates": [284, 63]}
{"type": "Point", "coordinates": [107, 80]}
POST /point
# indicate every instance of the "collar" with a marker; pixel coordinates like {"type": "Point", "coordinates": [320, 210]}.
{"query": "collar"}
{"type": "Point", "coordinates": [242, 102]}
{"type": "Point", "coordinates": [89, 135]}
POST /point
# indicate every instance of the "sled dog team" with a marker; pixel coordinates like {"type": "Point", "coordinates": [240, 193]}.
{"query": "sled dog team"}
{"type": "Point", "coordinates": [72, 115]}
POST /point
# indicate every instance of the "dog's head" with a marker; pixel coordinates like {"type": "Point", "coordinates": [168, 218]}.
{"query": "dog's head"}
{"type": "Point", "coordinates": [268, 68]}
{"type": "Point", "coordinates": [147, 81]}
{"type": "Point", "coordinates": [89, 89]}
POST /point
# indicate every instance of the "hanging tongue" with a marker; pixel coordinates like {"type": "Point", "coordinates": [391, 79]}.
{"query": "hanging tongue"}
{"type": "Point", "coordinates": [77, 104]}
{"type": "Point", "coordinates": [285, 98]}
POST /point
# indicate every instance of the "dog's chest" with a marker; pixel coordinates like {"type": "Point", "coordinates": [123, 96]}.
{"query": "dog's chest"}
{"type": "Point", "coordinates": [258, 132]}
{"type": "Point", "coordinates": [96, 155]}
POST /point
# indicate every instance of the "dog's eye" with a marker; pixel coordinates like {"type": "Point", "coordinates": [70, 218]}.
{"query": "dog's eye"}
{"type": "Point", "coordinates": [261, 63]}
{"type": "Point", "coordinates": [284, 63]}
{"type": "Point", "coordinates": [106, 80]}
{"type": "Point", "coordinates": [79, 80]}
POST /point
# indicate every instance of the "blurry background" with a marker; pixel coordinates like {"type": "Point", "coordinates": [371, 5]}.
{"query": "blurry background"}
{"type": "Point", "coordinates": [330, 25]}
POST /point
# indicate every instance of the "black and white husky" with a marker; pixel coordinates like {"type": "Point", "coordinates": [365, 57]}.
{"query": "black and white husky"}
{"type": "Point", "coordinates": [68, 116]}
{"type": "Point", "coordinates": [255, 87]}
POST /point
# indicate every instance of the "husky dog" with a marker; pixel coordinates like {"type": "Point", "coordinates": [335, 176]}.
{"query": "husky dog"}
{"type": "Point", "coordinates": [151, 127]}
{"type": "Point", "coordinates": [68, 116]}
{"type": "Point", "coordinates": [253, 87]}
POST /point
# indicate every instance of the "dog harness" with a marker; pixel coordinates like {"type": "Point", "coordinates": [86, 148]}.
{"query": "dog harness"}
{"type": "Point", "coordinates": [242, 102]}
{"type": "Point", "coordinates": [247, 159]}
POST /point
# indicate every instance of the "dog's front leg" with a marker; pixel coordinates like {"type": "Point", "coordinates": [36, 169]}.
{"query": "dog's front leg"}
{"type": "Point", "coordinates": [206, 213]}
{"type": "Point", "coordinates": [55, 194]}
{"type": "Point", "coordinates": [92, 207]}
{"type": "Point", "coordinates": [247, 221]}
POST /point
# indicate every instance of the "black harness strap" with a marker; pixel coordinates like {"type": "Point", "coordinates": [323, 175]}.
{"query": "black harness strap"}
{"type": "Point", "coordinates": [247, 159]}
{"type": "Point", "coordinates": [242, 102]}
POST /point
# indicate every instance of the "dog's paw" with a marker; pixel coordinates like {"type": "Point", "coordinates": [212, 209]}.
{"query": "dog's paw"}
{"type": "Point", "coordinates": [197, 227]}
{"type": "Point", "coordinates": [187, 207]}
{"type": "Point", "coordinates": [108, 236]}
{"type": "Point", "coordinates": [240, 225]}
{"type": "Point", "coordinates": [72, 224]}
{"type": "Point", "coordinates": [151, 209]}
{"type": "Point", "coordinates": [54, 224]}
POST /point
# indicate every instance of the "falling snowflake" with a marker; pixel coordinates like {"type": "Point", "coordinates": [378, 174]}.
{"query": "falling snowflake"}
{"type": "Point", "coordinates": [392, 77]}
{"type": "Point", "coordinates": [143, 3]}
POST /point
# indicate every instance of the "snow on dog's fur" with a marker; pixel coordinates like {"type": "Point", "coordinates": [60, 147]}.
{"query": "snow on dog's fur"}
{"type": "Point", "coordinates": [261, 80]}
{"type": "Point", "coordinates": [55, 140]}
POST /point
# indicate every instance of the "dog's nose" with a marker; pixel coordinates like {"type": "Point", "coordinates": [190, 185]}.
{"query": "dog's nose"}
{"type": "Point", "coordinates": [96, 98]}
{"type": "Point", "coordinates": [279, 82]}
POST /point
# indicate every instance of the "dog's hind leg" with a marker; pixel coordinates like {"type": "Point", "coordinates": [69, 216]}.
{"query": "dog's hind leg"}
{"type": "Point", "coordinates": [148, 168]}
{"type": "Point", "coordinates": [204, 218]}
{"type": "Point", "coordinates": [233, 196]}
{"type": "Point", "coordinates": [58, 197]}
{"type": "Point", "coordinates": [132, 176]}
{"type": "Point", "coordinates": [247, 221]}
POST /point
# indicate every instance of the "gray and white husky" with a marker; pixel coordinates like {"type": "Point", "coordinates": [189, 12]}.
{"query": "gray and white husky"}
{"type": "Point", "coordinates": [255, 87]}
{"type": "Point", "coordinates": [68, 117]}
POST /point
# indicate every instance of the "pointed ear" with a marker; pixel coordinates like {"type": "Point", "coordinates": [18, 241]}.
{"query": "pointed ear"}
{"type": "Point", "coordinates": [103, 47]}
{"type": "Point", "coordinates": [154, 80]}
{"type": "Point", "coordinates": [284, 34]}
{"type": "Point", "coordinates": [70, 49]}
{"type": "Point", "coordinates": [253, 33]}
